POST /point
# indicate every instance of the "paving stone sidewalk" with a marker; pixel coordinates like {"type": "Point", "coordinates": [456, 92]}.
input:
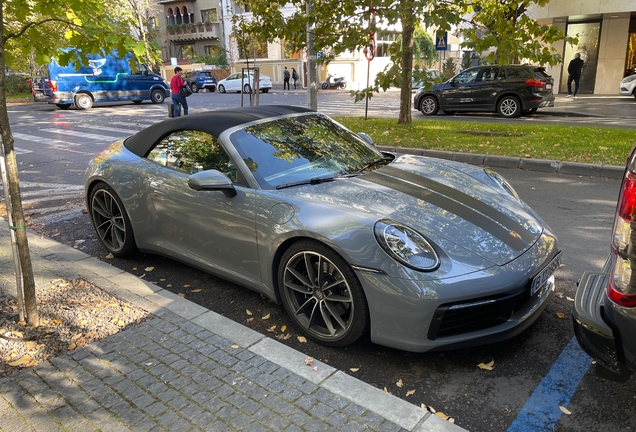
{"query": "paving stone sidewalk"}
{"type": "Point", "coordinates": [186, 369]}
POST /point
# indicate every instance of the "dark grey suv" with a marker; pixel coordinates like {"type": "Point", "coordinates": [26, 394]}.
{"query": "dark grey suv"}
{"type": "Point", "coordinates": [509, 90]}
{"type": "Point", "coordinates": [605, 303]}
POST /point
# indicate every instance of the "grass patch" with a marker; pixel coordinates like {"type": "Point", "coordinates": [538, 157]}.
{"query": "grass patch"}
{"type": "Point", "coordinates": [587, 144]}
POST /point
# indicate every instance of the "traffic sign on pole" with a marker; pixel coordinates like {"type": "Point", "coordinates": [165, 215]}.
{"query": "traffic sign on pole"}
{"type": "Point", "coordinates": [441, 43]}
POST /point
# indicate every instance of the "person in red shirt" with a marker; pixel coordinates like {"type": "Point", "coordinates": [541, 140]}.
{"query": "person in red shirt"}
{"type": "Point", "coordinates": [175, 86]}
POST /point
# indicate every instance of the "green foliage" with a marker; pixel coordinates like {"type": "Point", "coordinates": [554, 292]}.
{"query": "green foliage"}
{"type": "Point", "coordinates": [467, 60]}
{"type": "Point", "coordinates": [17, 84]}
{"type": "Point", "coordinates": [423, 47]}
{"type": "Point", "coordinates": [504, 24]}
{"type": "Point", "coordinates": [587, 144]}
{"type": "Point", "coordinates": [217, 57]}
{"type": "Point", "coordinates": [449, 68]}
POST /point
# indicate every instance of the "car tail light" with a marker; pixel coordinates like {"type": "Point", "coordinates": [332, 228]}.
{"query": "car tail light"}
{"type": "Point", "coordinates": [533, 82]}
{"type": "Point", "coordinates": [53, 85]}
{"type": "Point", "coordinates": [621, 288]}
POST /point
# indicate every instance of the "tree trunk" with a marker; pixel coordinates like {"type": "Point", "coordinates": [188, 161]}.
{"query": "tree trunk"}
{"type": "Point", "coordinates": [14, 192]}
{"type": "Point", "coordinates": [408, 27]}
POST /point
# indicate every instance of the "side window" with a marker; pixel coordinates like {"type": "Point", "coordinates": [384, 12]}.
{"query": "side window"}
{"type": "Point", "coordinates": [192, 151]}
{"type": "Point", "coordinates": [489, 74]}
{"type": "Point", "coordinates": [516, 73]}
{"type": "Point", "coordinates": [467, 76]}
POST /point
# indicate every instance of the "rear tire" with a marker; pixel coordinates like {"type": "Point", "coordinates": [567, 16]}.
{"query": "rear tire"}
{"type": "Point", "coordinates": [83, 101]}
{"type": "Point", "coordinates": [247, 89]}
{"type": "Point", "coordinates": [429, 105]}
{"type": "Point", "coordinates": [111, 221]}
{"type": "Point", "coordinates": [509, 107]}
{"type": "Point", "coordinates": [265, 90]}
{"type": "Point", "coordinates": [157, 96]}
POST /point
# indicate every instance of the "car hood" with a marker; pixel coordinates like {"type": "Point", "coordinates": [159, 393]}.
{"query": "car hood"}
{"type": "Point", "coordinates": [448, 202]}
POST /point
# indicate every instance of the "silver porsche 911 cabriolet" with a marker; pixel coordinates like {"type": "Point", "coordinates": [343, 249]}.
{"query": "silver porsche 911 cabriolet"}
{"type": "Point", "coordinates": [417, 252]}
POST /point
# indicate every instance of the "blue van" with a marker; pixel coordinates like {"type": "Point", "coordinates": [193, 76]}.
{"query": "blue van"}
{"type": "Point", "coordinates": [106, 78]}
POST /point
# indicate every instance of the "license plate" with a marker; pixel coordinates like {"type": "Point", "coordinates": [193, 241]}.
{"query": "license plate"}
{"type": "Point", "coordinates": [544, 275]}
{"type": "Point", "coordinates": [548, 86]}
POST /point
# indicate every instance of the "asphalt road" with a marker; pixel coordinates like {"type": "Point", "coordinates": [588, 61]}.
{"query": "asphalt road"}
{"type": "Point", "coordinates": [54, 146]}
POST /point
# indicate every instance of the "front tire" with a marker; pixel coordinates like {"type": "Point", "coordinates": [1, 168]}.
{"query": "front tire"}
{"type": "Point", "coordinates": [509, 107]}
{"type": "Point", "coordinates": [325, 86]}
{"type": "Point", "coordinates": [247, 89]}
{"type": "Point", "coordinates": [221, 88]}
{"type": "Point", "coordinates": [322, 294]}
{"type": "Point", "coordinates": [429, 105]}
{"type": "Point", "coordinates": [111, 221]}
{"type": "Point", "coordinates": [194, 87]}
{"type": "Point", "coordinates": [157, 96]}
{"type": "Point", "coordinates": [83, 101]}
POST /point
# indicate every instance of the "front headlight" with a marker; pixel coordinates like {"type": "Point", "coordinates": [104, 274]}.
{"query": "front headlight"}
{"type": "Point", "coordinates": [503, 184]}
{"type": "Point", "coordinates": [628, 79]}
{"type": "Point", "coordinates": [406, 245]}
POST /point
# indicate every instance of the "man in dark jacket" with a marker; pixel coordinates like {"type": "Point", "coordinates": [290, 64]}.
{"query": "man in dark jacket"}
{"type": "Point", "coordinates": [574, 74]}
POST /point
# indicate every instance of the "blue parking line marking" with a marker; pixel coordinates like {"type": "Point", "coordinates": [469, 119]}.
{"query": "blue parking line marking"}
{"type": "Point", "coordinates": [541, 411]}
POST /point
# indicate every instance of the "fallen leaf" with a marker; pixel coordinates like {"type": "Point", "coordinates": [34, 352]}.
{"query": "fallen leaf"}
{"type": "Point", "coordinates": [565, 410]}
{"type": "Point", "coordinates": [410, 392]}
{"type": "Point", "coordinates": [249, 319]}
{"type": "Point", "coordinates": [247, 311]}
{"type": "Point", "coordinates": [265, 317]}
{"type": "Point", "coordinates": [162, 280]}
{"type": "Point", "coordinates": [17, 334]}
{"type": "Point", "coordinates": [181, 295]}
{"type": "Point", "coordinates": [235, 346]}
{"type": "Point", "coordinates": [399, 383]}
{"type": "Point", "coordinates": [486, 366]}
{"type": "Point", "coordinates": [24, 359]}
{"type": "Point", "coordinates": [169, 286]}
{"type": "Point", "coordinates": [569, 298]}
{"type": "Point", "coordinates": [272, 329]}
{"type": "Point", "coordinates": [309, 361]}
{"type": "Point", "coordinates": [196, 290]}
{"type": "Point", "coordinates": [57, 321]}
{"type": "Point", "coordinates": [560, 314]}
{"type": "Point", "coordinates": [315, 368]}
{"type": "Point", "coordinates": [302, 339]}
{"type": "Point", "coordinates": [441, 415]}
{"type": "Point", "coordinates": [354, 369]}
{"type": "Point", "coordinates": [186, 286]}
{"type": "Point", "coordinates": [285, 336]}
{"type": "Point", "coordinates": [121, 323]}
{"type": "Point", "coordinates": [283, 328]}
{"type": "Point", "coordinates": [72, 346]}
{"type": "Point", "coordinates": [134, 268]}
{"type": "Point", "coordinates": [83, 322]}
{"type": "Point", "coordinates": [149, 269]}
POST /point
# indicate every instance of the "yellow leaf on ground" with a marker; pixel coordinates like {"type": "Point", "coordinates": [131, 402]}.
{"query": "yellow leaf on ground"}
{"type": "Point", "coordinates": [181, 295]}
{"type": "Point", "coordinates": [235, 346]}
{"type": "Point", "coordinates": [249, 320]}
{"type": "Point", "coordinates": [121, 323]}
{"type": "Point", "coordinates": [441, 415]}
{"type": "Point", "coordinates": [17, 334]}
{"type": "Point", "coordinates": [354, 369]}
{"type": "Point", "coordinates": [399, 383]}
{"type": "Point", "coordinates": [149, 269]}
{"type": "Point", "coordinates": [247, 311]}
{"type": "Point", "coordinates": [196, 290]}
{"type": "Point", "coordinates": [72, 346]}
{"type": "Point", "coordinates": [265, 317]}
{"type": "Point", "coordinates": [186, 286]}
{"type": "Point", "coordinates": [57, 321]}
{"type": "Point", "coordinates": [283, 328]}
{"type": "Point", "coordinates": [22, 360]}
{"type": "Point", "coordinates": [560, 314]}
{"type": "Point", "coordinates": [565, 410]}
{"type": "Point", "coordinates": [486, 366]}
{"type": "Point", "coordinates": [83, 322]}
{"type": "Point", "coordinates": [110, 256]}
{"type": "Point", "coordinates": [302, 339]}
{"type": "Point", "coordinates": [410, 392]}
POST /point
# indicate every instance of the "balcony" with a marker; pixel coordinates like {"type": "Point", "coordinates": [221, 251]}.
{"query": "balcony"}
{"type": "Point", "coordinates": [194, 32]}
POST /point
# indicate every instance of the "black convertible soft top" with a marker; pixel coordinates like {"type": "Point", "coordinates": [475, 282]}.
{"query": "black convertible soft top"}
{"type": "Point", "coordinates": [213, 122]}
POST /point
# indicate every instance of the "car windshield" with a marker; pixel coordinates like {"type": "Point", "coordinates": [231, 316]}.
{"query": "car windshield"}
{"type": "Point", "coordinates": [302, 149]}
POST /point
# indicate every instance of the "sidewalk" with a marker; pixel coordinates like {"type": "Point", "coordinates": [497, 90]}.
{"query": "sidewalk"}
{"type": "Point", "coordinates": [186, 369]}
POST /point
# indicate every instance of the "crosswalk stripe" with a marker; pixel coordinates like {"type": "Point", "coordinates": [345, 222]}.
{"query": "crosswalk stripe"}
{"type": "Point", "coordinates": [109, 129]}
{"type": "Point", "coordinates": [137, 124]}
{"type": "Point", "coordinates": [81, 134]}
{"type": "Point", "coordinates": [47, 141]}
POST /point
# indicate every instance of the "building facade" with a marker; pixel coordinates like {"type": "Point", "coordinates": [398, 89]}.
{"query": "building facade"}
{"type": "Point", "coordinates": [606, 30]}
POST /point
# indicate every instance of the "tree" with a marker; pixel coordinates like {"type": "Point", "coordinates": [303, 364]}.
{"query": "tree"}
{"type": "Point", "coordinates": [42, 28]}
{"type": "Point", "coordinates": [449, 68]}
{"type": "Point", "coordinates": [506, 26]}
{"type": "Point", "coordinates": [467, 60]}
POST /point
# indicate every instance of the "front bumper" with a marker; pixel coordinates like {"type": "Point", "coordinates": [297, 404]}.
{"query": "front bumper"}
{"type": "Point", "coordinates": [592, 332]}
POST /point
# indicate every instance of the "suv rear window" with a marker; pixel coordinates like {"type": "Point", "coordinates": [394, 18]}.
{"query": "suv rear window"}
{"type": "Point", "coordinates": [540, 72]}
{"type": "Point", "coordinates": [206, 74]}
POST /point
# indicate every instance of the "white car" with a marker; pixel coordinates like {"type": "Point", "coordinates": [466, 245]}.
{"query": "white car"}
{"type": "Point", "coordinates": [237, 80]}
{"type": "Point", "coordinates": [430, 73]}
{"type": "Point", "coordinates": [627, 86]}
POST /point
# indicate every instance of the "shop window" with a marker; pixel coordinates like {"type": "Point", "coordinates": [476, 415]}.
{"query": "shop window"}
{"type": "Point", "coordinates": [589, 36]}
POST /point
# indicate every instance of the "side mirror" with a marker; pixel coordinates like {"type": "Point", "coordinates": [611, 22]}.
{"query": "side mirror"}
{"type": "Point", "coordinates": [366, 138]}
{"type": "Point", "coordinates": [212, 180]}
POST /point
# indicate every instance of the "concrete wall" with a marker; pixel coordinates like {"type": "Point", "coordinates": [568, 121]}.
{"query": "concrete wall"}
{"type": "Point", "coordinates": [564, 8]}
{"type": "Point", "coordinates": [612, 53]}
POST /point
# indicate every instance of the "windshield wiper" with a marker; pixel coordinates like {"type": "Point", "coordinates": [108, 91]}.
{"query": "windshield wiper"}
{"type": "Point", "coordinates": [313, 181]}
{"type": "Point", "coordinates": [373, 163]}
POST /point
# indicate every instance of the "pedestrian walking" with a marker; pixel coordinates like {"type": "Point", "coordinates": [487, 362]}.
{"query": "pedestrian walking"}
{"type": "Point", "coordinates": [175, 92]}
{"type": "Point", "coordinates": [294, 77]}
{"type": "Point", "coordinates": [574, 74]}
{"type": "Point", "coordinates": [285, 79]}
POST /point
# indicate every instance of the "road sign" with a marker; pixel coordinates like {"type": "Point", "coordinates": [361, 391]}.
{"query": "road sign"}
{"type": "Point", "coordinates": [319, 54]}
{"type": "Point", "coordinates": [441, 44]}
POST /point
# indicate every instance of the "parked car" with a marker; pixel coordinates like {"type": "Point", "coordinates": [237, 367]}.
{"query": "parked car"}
{"type": "Point", "coordinates": [509, 90]}
{"type": "Point", "coordinates": [198, 80]}
{"type": "Point", "coordinates": [234, 82]}
{"type": "Point", "coordinates": [605, 304]}
{"type": "Point", "coordinates": [627, 86]}
{"type": "Point", "coordinates": [419, 253]}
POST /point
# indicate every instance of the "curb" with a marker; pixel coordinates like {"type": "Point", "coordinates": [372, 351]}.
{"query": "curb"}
{"type": "Point", "coordinates": [528, 164]}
